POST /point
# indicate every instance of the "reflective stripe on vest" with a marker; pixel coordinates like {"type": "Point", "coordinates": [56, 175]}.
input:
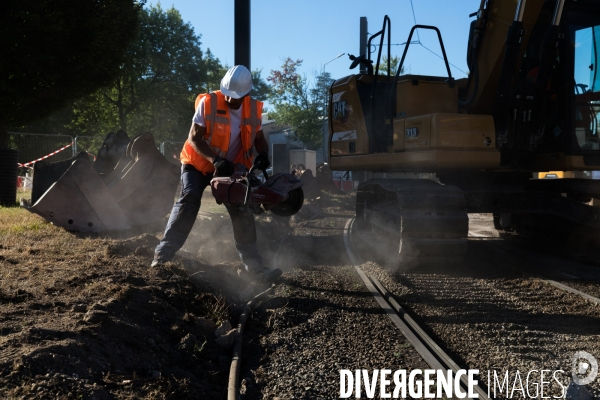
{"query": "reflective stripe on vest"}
{"type": "Point", "coordinates": [210, 119]}
{"type": "Point", "coordinates": [254, 123]}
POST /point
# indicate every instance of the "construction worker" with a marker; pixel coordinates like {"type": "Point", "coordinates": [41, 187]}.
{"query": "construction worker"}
{"type": "Point", "coordinates": [226, 127]}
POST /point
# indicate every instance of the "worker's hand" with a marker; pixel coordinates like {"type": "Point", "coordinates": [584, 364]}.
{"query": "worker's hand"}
{"type": "Point", "coordinates": [262, 161]}
{"type": "Point", "coordinates": [223, 166]}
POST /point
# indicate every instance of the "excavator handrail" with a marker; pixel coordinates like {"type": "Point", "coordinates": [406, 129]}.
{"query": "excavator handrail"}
{"type": "Point", "coordinates": [395, 82]}
{"type": "Point", "coordinates": [381, 32]}
{"type": "Point", "coordinates": [388, 22]}
{"type": "Point", "coordinates": [408, 42]}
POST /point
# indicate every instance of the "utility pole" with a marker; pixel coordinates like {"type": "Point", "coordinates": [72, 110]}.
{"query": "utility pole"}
{"type": "Point", "coordinates": [363, 42]}
{"type": "Point", "coordinates": [242, 33]}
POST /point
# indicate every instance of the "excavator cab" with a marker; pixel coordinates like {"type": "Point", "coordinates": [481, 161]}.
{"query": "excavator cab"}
{"type": "Point", "coordinates": [556, 90]}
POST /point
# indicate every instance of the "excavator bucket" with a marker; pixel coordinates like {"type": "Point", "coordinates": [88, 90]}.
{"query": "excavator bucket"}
{"type": "Point", "coordinates": [140, 189]}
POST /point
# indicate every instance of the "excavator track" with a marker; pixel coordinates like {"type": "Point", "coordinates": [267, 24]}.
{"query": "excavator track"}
{"type": "Point", "coordinates": [554, 233]}
{"type": "Point", "coordinates": [428, 222]}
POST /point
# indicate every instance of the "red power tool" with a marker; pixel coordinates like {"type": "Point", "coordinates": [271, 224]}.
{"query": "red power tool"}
{"type": "Point", "coordinates": [280, 193]}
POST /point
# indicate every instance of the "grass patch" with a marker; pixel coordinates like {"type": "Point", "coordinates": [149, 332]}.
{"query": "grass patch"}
{"type": "Point", "coordinates": [198, 347]}
{"type": "Point", "coordinates": [23, 193]}
{"type": "Point", "coordinates": [18, 220]}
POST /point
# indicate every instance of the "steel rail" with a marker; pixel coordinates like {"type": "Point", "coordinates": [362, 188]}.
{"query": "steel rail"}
{"type": "Point", "coordinates": [431, 353]}
{"type": "Point", "coordinates": [569, 289]}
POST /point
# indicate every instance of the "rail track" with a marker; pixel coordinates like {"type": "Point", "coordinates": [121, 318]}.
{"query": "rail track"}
{"type": "Point", "coordinates": [332, 312]}
{"type": "Point", "coordinates": [431, 352]}
{"type": "Point", "coordinates": [523, 286]}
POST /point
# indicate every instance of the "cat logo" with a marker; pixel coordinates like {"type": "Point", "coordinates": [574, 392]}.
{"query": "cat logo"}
{"type": "Point", "coordinates": [340, 111]}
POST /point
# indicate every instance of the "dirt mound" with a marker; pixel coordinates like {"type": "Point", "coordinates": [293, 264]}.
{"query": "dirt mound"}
{"type": "Point", "coordinates": [86, 317]}
{"type": "Point", "coordinates": [142, 245]}
{"type": "Point", "coordinates": [211, 240]}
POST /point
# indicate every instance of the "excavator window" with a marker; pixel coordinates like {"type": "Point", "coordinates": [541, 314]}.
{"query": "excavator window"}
{"type": "Point", "coordinates": [585, 40]}
{"type": "Point", "coordinates": [587, 78]}
{"type": "Point", "coordinates": [571, 110]}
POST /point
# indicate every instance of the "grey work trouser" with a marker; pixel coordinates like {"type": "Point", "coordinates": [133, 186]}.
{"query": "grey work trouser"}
{"type": "Point", "coordinates": [185, 211]}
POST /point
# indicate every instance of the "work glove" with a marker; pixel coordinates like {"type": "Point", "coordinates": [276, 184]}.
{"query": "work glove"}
{"type": "Point", "coordinates": [223, 166]}
{"type": "Point", "coordinates": [262, 161]}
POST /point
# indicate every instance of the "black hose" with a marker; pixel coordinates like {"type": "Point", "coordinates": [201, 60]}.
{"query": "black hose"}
{"type": "Point", "coordinates": [236, 360]}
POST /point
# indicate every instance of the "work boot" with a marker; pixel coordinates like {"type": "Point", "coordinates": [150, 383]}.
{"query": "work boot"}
{"type": "Point", "coordinates": [269, 275]}
{"type": "Point", "coordinates": [157, 262]}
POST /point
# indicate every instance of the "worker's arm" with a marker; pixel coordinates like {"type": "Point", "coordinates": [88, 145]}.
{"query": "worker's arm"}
{"type": "Point", "coordinates": [260, 143]}
{"type": "Point", "coordinates": [196, 138]}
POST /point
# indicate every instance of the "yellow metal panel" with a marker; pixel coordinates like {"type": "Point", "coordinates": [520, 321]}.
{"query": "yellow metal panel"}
{"type": "Point", "coordinates": [555, 175]}
{"type": "Point", "coordinates": [349, 134]}
{"type": "Point", "coordinates": [472, 159]}
{"type": "Point", "coordinates": [399, 135]}
{"type": "Point", "coordinates": [418, 161]}
{"type": "Point", "coordinates": [424, 98]}
{"type": "Point", "coordinates": [417, 132]}
{"type": "Point", "coordinates": [463, 132]}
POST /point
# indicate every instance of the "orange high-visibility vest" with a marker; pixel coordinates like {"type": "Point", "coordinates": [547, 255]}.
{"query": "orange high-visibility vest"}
{"type": "Point", "coordinates": [218, 131]}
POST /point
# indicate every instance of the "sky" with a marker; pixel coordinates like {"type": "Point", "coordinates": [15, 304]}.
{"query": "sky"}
{"type": "Point", "coordinates": [316, 31]}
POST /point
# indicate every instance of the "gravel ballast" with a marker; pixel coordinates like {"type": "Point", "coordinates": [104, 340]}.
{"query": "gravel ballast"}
{"type": "Point", "coordinates": [321, 321]}
{"type": "Point", "coordinates": [486, 315]}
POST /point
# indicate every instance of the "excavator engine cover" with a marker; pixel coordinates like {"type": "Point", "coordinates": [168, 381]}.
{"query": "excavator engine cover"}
{"type": "Point", "coordinates": [139, 190]}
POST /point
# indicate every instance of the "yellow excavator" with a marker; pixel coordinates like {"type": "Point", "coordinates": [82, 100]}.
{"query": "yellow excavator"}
{"type": "Point", "coordinates": [530, 104]}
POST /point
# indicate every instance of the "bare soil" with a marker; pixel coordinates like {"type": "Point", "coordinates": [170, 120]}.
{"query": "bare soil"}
{"type": "Point", "coordinates": [84, 316]}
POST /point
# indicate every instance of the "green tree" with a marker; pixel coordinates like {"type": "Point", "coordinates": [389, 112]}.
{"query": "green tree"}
{"type": "Point", "coordinates": [155, 88]}
{"type": "Point", "coordinates": [157, 84]}
{"type": "Point", "coordinates": [297, 104]}
{"type": "Point", "coordinates": [320, 92]}
{"type": "Point", "coordinates": [394, 63]}
{"type": "Point", "coordinates": [214, 72]}
{"type": "Point", "coordinates": [260, 89]}
{"type": "Point", "coordinates": [56, 51]}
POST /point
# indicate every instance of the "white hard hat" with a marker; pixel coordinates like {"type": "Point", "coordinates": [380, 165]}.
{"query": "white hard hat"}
{"type": "Point", "coordinates": [237, 82]}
